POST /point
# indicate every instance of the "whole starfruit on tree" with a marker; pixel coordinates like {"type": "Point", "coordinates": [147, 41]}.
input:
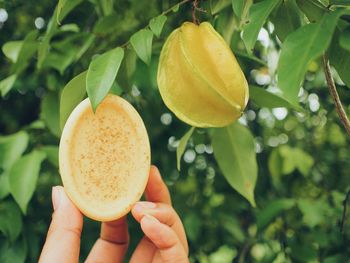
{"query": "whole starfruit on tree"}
{"type": "Point", "coordinates": [199, 78]}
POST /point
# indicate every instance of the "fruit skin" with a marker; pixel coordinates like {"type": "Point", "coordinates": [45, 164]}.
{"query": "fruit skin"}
{"type": "Point", "coordinates": [199, 78]}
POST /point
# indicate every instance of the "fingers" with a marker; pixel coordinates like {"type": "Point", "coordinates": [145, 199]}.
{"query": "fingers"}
{"type": "Point", "coordinates": [144, 252]}
{"type": "Point", "coordinates": [165, 239]}
{"type": "Point", "coordinates": [156, 189]}
{"type": "Point", "coordinates": [112, 244]}
{"type": "Point", "coordinates": [63, 238]}
{"type": "Point", "coordinates": [165, 214]}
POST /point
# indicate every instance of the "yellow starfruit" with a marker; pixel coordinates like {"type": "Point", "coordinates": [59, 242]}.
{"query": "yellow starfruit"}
{"type": "Point", "coordinates": [199, 78]}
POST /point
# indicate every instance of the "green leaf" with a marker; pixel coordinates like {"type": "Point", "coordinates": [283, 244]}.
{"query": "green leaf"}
{"type": "Point", "coordinates": [44, 46]}
{"type": "Point", "coordinates": [192, 224]}
{"type": "Point", "coordinates": [116, 89]}
{"type": "Point", "coordinates": [258, 15]}
{"type": "Point", "coordinates": [11, 148]}
{"type": "Point", "coordinates": [287, 19]}
{"type": "Point", "coordinates": [69, 28]}
{"type": "Point", "coordinates": [295, 158]}
{"type": "Point", "coordinates": [51, 152]}
{"type": "Point", "coordinates": [249, 57]}
{"type": "Point", "coordinates": [182, 147]}
{"type": "Point", "coordinates": [287, 154]}
{"type": "Point", "coordinates": [60, 61]}
{"type": "Point", "coordinates": [68, 50]}
{"type": "Point", "coordinates": [72, 94]}
{"type": "Point", "coordinates": [11, 50]}
{"type": "Point", "coordinates": [223, 254]}
{"type": "Point", "coordinates": [106, 6]}
{"type": "Point", "coordinates": [234, 150]}
{"type": "Point", "coordinates": [141, 41]}
{"type": "Point", "coordinates": [64, 7]}
{"type": "Point", "coordinates": [127, 69]}
{"type": "Point", "coordinates": [340, 59]}
{"type": "Point", "coordinates": [10, 220]}
{"type": "Point", "coordinates": [241, 9]}
{"type": "Point", "coordinates": [266, 99]}
{"type": "Point", "coordinates": [299, 49]}
{"type": "Point", "coordinates": [303, 161]}
{"type": "Point", "coordinates": [4, 185]}
{"type": "Point", "coordinates": [275, 163]}
{"type": "Point", "coordinates": [106, 24]}
{"type": "Point", "coordinates": [156, 24]}
{"type": "Point", "coordinates": [7, 84]}
{"type": "Point", "coordinates": [233, 227]}
{"type": "Point", "coordinates": [314, 211]}
{"type": "Point", "coordinates": [175, 8]}
{"type": "Point", "coordinates": [344, 39]}
{"type": "Point", "coordinates": [88, 40]}
{"type": "Point", "coordinates": [28, 49]}
{"type": "Point", "coordinates": [101, 75]}
{"type": "Point", "coordinates": [339, 2]}
{"type": "Point", "coordinates": [13, 253]}
{"type": "Point", "coordinates": [304, 252]}
{"type": "Point", "coordinates": [50, 113]}
{"type": "Point", "coordinates": [272, 210]}
{"type": "Point", "coordinates": [313, 9]}
{"type": "Point", "coordinates": [218, 5]}
{"type": "Point", "coordinates": [23, 177]}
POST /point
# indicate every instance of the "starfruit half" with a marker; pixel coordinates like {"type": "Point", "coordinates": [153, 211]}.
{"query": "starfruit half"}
{"type": "Point", "coordinates": [199, 78]}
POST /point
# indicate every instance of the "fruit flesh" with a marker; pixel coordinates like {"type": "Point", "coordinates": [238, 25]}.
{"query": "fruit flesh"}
{"type": "Point", "coordinates": [105, 159]}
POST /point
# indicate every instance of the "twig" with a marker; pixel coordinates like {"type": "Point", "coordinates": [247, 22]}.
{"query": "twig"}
{"type": "Point", "coordinates": [334, 94]}
{"type": "Point", "coordinates": [194, 9]}
{"type": "Point", "coordinates": [345, 212]}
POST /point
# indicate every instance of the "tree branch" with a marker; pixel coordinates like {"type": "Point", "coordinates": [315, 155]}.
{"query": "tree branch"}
{"type": "Point", "coordinates": [334, 94]}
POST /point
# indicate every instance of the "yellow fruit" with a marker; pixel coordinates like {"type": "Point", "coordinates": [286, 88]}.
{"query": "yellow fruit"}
{"type": "Point", "coordinates": [104, 158]}
{"type": "Point", "coordinates": [199, 78]}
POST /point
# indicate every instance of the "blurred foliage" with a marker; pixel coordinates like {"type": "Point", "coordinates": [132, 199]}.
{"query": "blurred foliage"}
{"type": "Point", "coordinates": [301, 148]}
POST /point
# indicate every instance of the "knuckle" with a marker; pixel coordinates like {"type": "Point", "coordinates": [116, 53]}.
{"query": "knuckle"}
{"type": "Point", "coordinates": [175, 258]}
{"type": "Point", "coordinates": [62, 229]}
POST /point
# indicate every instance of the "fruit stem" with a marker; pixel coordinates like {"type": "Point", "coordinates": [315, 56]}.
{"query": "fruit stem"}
{"type": "Point", "coordinates": [194, 10]}
{"type": "Point", "coordinates": [335, 96]}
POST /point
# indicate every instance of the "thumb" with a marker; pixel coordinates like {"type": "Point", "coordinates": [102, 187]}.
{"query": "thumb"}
{"type": "Point", "coordinates": [165, 239]}
{"type": "Point", "coordinates": [63, 239]}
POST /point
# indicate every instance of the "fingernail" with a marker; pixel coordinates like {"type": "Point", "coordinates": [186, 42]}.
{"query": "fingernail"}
{"type": "Point", "coordinates": [56, 197]}
{"type": "Point", "coordinates": [149, 218]}
{"type": "Point", "coordinates": [156, 171]}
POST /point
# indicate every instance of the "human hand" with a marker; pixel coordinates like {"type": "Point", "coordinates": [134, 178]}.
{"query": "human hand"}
{"type": "Point", "coordinates": [164, 240]}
